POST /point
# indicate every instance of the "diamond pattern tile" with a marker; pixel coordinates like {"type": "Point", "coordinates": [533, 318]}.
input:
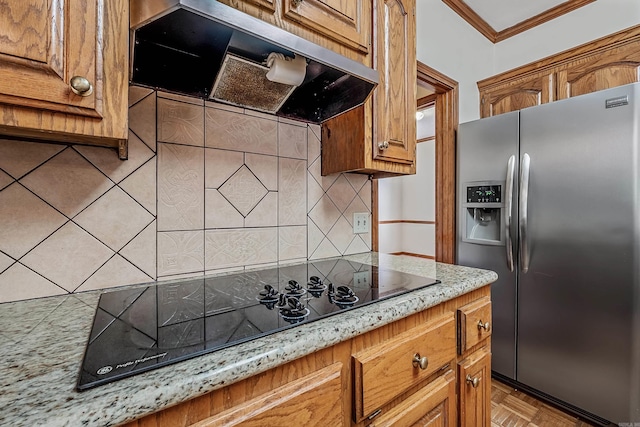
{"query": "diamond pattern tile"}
{"type": "Point", "coordinates": [325, 214]}
{"type": "Point", "coordinates": [265, 168]}
{"type": "Point", "coordinates": [141, 185]}
{"type": "Point", "coordinates": [265, 214]}
{"type": "Point", "coordinates": [68, 257]}
{"type": "Point", "coordinates": [114, 218]}
{"type": "Point", "coordinates": [141, 251]}
{"type": "Point", "coordinates": [26, 220]}
{"type": "Point", "coordinates": [220, 165]}
{"type": "Point", "coordinates": [341, 193]}
{"type": "Point", "coordinates": [325, 250]}
{"type": "Point", "coordinates": [19, 157]}
{"type": "Point", "coordinates": [357, 246]}
{"type": "Point", "coordinates": [142, 120]}
{"type": "Point", "coordinates": [314, 192]}
{"type": "Point", "coordinates": [341, 235]}
{"type": "Point", "coordinates": [356, 206]}
{"type": "Point", "coordinates": [109, 163]}
{"type": "Point", "coordinates": [365, 194]}
{"type": "Point", "coordinates": [37, 287]}
{"type": "Point", "coordinates": [5, 262]}
{"type": "Point", "coordinates": [314, 237]}
{"type": "Point", "coordinates": [357, 180]}
{"type": "Point", "coordinates": [313, 140]}
{"type": "Point", "coordinates": [243, 190]}
{"type": "Point", "coordinates": [116, 272]}
{"type": "Point", "coordinates": [136, 93]}
{"type": "Point", "coordinates": [68, 182]}
{"type": "Point", "coordinates": [324, 181]}
{"type": "Point", "coordinates": [5, 180]}
{"type": "Point", "coordinates": [219, 212]}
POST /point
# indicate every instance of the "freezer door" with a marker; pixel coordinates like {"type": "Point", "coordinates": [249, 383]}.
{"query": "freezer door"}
{"type": "Point", "coordinates": [484, 149]}
{"type": "Point", "coordinates": [575, 301]}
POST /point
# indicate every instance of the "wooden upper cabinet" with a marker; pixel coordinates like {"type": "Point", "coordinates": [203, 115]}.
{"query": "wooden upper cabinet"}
{"type": "Point", "coordinates": [44, 44]}
{"type": "Point", "coordinates": [42, 48]}
{"type": "Point", "coordinates": [521, 93]}
{"type": "Point", "coordinates": [345, 21]}
{"type": "Point", "coordinates": [395, 98]}
{"type": "Point", "coordinates": [608, 62]}
{"type": "Point", "coordinates": [615, 67]}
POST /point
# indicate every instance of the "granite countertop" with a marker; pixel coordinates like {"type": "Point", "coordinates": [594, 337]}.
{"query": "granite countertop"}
{"type": "Point", "coordinates": [42, 343]}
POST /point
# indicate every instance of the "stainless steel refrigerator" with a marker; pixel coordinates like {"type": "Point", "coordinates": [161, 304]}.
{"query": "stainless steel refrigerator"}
{"type": "Point", "coordinates": [549, 198]}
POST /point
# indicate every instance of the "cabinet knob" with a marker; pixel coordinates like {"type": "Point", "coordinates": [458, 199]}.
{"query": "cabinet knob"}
{"type": "Point", "coordinates": [484, 326]}
{"type": "Point", "coordinates": [474, 381]}
{"type": "Point", "coordinates": [81, 86]}
{"type": "Point", "coordinates": [383, 145]}
{"type": "Point", "coordinates": [421, 362]}
{"type": "Point", "coordinates": [296, 3]}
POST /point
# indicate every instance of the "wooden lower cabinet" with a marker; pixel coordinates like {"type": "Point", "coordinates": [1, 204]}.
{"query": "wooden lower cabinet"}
{"type": "Point", "coordinates": [474, 374]}
{"type": "Point", "coordinates": [315, 399]}
{"type": "Point", "coordinates": [433, 405]}
{"type": "Point", "coordinates": [406, 373]}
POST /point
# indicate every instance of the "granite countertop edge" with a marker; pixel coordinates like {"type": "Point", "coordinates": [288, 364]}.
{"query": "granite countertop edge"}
{"type": "Point", "coordinates": [143, 394]}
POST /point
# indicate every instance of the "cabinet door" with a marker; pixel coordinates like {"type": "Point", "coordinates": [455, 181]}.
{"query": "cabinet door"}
{"type": "Point", "coordinates": [44, 44]}
{"type": "Point", "coordinates": [474, 375]}
{"type": "Point", "coordinates": [434, 405]}
{"type": "Point", "coordinates": [395, 97]}
{"type": "Point", "coordinates": [345, 21]}
{"type": "Point", "coordinates": [614, 67]}
{"type": "Point", "coordinates": [313, 400]}
{"type": "Point", "coordinates": [474, 323]}
{"type": "Point", "coordinates": [517, 94]}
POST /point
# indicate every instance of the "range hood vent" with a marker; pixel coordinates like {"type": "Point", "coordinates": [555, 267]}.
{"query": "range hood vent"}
{"type": "Point", "coordinates": [183, 45]}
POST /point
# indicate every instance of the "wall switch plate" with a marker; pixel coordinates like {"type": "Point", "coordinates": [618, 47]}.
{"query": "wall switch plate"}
{"type": "Point", "coordinates": [362, 279]}
{"type": "Point", "coordinates": [360, 223]}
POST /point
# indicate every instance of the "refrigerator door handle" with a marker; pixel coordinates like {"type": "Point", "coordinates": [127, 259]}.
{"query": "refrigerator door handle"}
{"type": "Point", "coordinates": [524, 206]}
{"type": "Point", "coordinates": [509, 211]}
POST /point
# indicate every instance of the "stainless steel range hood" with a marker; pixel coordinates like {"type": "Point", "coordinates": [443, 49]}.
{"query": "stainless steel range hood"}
{"type": "Point", "coordinates": [185, 46]}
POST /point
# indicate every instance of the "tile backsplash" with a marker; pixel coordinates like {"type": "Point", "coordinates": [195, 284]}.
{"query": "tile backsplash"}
{"type": "Point", "coordinates": [207, 188]}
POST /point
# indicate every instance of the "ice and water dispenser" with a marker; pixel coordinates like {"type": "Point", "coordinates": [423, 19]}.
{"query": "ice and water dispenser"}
{"type": "Point", "coordinates": [482, 209]}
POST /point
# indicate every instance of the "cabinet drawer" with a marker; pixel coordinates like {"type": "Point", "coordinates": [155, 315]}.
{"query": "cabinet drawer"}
{"type": "Point", "coordinates": [313, 400]}
{"type": "Point", "coordinates": [385, 370]}
{"type": "Point", "coordinates": [474, 323]}
{"type": "Point", "coordinates": [432, 405]}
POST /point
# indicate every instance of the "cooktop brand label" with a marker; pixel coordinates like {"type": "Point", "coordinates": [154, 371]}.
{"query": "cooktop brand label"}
{"type": "Point", "coordinates": [106, 369]}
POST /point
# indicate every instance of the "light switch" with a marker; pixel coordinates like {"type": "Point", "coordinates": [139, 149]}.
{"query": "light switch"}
{"type": "Point", "coordinates": [360, 223]}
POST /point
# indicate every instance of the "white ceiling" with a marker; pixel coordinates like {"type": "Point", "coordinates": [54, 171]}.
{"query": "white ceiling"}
{"type": "Point", "coordinates": [502, 14]}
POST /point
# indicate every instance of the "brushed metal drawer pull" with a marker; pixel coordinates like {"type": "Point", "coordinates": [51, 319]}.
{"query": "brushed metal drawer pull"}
{"type": "Point", "coordinates": [474, 381]}
{"type": "Point", "coordinates": [484, 326]}
{"type": "Point", "coordinates": [418, 361]}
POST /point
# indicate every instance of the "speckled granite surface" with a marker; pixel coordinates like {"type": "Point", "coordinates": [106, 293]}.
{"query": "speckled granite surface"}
{"type": "Point", "coordinates": [42, 343]}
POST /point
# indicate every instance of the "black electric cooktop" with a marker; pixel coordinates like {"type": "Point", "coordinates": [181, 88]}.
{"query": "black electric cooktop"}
{"type": "Point", "coordinates": [136, 330]}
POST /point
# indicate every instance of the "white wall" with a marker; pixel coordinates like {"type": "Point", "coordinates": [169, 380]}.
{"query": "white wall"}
{"type": "Point", "coordinates": [450, 45]}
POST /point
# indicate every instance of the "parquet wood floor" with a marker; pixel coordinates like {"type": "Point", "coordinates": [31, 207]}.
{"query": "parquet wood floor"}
{"type": "Point", "coordinates": [513, 408]}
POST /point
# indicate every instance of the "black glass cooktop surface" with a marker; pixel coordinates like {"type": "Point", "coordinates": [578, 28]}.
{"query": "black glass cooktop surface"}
{"type": "Point", "coordinates": [136, 330]}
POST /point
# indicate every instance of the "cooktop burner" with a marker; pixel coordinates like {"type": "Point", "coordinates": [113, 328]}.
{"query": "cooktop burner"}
{"type": "Point", "coordinates": [136, 330]}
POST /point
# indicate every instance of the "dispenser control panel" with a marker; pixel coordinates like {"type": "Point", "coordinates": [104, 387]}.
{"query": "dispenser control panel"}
{"type": "Point", "coordinates": [484, 194]}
